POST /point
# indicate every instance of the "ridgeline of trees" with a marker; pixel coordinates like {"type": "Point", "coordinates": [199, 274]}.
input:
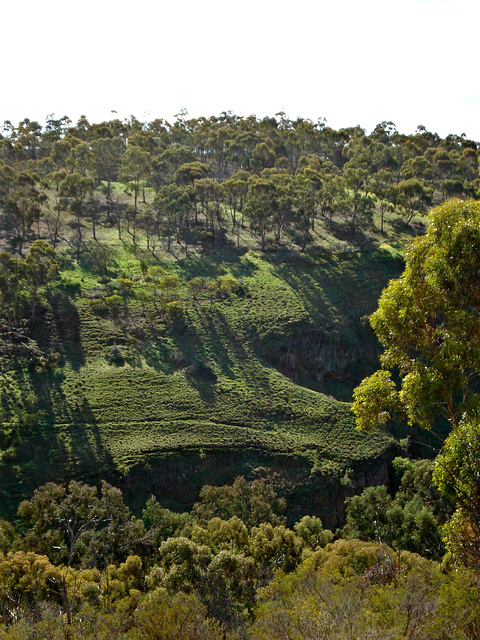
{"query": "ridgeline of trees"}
{"type": "Point", "coordinates": [197, 184]}
{"type": "Point", "coordinates": [199, 180]}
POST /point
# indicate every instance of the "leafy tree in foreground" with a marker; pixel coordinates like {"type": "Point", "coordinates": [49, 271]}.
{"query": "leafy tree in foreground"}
{"type": "Point", "coordinates": [428, 321]}
{"type": "Point", "coordinates": [457, 470]}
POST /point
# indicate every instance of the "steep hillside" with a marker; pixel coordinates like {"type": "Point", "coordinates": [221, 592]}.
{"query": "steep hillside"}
{"type": "Point", "coordinates": [183, 303]}
{"type": "Point", "coordinates": [249, 380]}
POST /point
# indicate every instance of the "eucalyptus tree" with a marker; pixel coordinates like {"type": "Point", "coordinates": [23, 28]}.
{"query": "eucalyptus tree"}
{"type": "Point", "coordinates": [41, 268]}
{"type": "Point", "coordinates": [359, 203]}
{"type": "Point", "coordinates": [81, 159]}
{"type": "Point", "coordinates": [308, 186]}
{"type": "Point", "coordinates": [22, 201]}
{"type": "Point", "coordinates": [55, 129]}
{"type": "Point", "coordinates": [12, 286]}
{"type": "Point", "coordinates": [208, 193]}
{"type": "Point", "coordinates": [108, 154]}
{"type": "Point", "coordinates": [74, 191]}
{"type": "Point", "coordinates": [28, 134]}
{"type": "Point", "coordinates": [428, 323]}
{"type": "Point", "coordinates": [135, 168]}
{"type": "Point", "coordinates": [235, 191]}
{"type": "Point", "coordinates": [262, 157]}
{"type": "Point", "coordinates": [413, 196]}
{"type": "Point", "coordinates": [166, 164]}
{"type": "Point", "coordinates": [174, 205]}
{"type": "Point", "coordinates": [261, 205]}
{"type": "Point", "coordinates": [283, 213]}
{"type": "Point", "coordinates": [382, 186]}
{"type": "Point", "coordinates": [188, 172]}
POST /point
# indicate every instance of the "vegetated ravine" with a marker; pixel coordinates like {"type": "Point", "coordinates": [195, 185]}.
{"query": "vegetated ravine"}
{"type": "Point", "coordinates": [176, 312]}
{"type": "Point", "coordinates": [252, 384]}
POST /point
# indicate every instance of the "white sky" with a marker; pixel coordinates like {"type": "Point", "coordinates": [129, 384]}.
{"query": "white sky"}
{"type": "Point", "coordinates": [349, 61]}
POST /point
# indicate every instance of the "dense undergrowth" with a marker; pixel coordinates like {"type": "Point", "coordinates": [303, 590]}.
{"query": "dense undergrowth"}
{"type": "Point", "coordinates": [78, 565]}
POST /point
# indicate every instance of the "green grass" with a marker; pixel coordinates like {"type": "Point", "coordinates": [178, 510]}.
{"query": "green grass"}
{"type": "Point", "coordinates": [265, 370]}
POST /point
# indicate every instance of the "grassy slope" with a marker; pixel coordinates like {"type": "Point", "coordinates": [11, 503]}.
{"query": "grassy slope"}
{"type": "Point", "coordinates": [95, 419]}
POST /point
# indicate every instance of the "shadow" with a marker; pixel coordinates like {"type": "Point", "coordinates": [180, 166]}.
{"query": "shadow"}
{"type": "Point", "coordinates": [332, 343]}
{"type": "Point", "coordinates": [357, 237]}
{"type": "Point", "coordinates": [59, 442]}
{"type": "Point", "coordinates": [214, 263]}
{"type": "Point", "coordinates": [98, 259]}
{"type": "Point", "coordinates": [60, 329]}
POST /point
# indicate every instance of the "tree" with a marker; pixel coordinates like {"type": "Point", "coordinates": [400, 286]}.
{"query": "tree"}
{"type": "Point", "coordinates": [260, 206]}
{"type": "Point", "coordinates": [135, 167]}
{"type": "Point", "coordinates": [41, 268]}
{"type": "Point", "coordinates": [25, 581]}
{"type": "Point", "coordinates": [401, 523]}
{"type": "Point", "coordinates": [74, 190]}
{"type": "Point", "coordinates": [21, 200]}
{"type": "Point", "coordinates": [413, 196]}
{"type": "Point", "coordinates": [162, 616]}
{"type": "Point", "coordinates": [428, 321]}
{"type": "Point", "coordinates": [108, 153]}
{"type": "Point", "coordinates": [457, 471]}
{"type": "Point", "coordinates": [12, 283]}
{"type": "Point", "coordinates": [174, 204]}
{"type": "Point", "coordinates": [253, 502]}
{"type": "Point", "coordinates": [188, 172]}
{"type": "Point", "coordinates": [382, 188]}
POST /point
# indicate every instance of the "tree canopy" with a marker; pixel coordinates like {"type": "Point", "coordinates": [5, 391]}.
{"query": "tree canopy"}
{"type": "Point", "coordinates": [428, 322]}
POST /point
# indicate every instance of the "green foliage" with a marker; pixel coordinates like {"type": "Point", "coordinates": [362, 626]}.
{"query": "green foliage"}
{"type": "Point", "coordinates": [162, 523]}
{"type": "Point", "coordinates": [428, 324]}
{"type": "Point", "coordinates": [310, 529]}
{"type": "Point", "coordinates": [161, 617]}
{"type": "Point", "coordinates": [78, 523]}
{"type": "Point", "coordinates": [366, 592]}
{"type": "Point", "coordinates": [238, 368]}
{"type": "Point", "coordinates": [411, 520]}
{"type": "Point", "coordinates": [253, 502]}
{"type": "Point", "coordinates": [26, 579]}
{"type": "Point", "coordinates": [276, 547]}
{"type": "Point", "coordinates": [375, 399]}
{"type": "Point", "coordinates": [175, 312]}
{"type": "Point", "coordinates": [457, 472]}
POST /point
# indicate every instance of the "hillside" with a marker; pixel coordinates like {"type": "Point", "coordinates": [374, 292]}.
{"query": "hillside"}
{"type": "Point", "coordinates": [253, 379]}
{"type": "Point", "coordinates": [205, 311]}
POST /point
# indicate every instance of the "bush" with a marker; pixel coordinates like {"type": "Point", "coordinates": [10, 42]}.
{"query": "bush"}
{"type": "Point", "coordinates": [175, 313]}
{"type": "Point", "coordinates": [116, 356]}
{"type": "Point", "coordinates": [98, 306]}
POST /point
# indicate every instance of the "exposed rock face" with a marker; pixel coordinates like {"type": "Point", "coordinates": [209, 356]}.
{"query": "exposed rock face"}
{"type": "Point", "coordinates": [176, 481]}
{"type": "Point", "coordinates": [314, 355]}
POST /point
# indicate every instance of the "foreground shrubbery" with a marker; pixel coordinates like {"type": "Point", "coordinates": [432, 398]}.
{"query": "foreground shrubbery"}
{"type": "Point", "coordinates": [79, 565]}
{"type": "Point", "coordinates": [347, 590]}
{"type": "Point", "coordinates": [353, 590]}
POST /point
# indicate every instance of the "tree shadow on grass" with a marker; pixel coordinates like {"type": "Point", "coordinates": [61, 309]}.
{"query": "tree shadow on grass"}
{"type": "Point", "coordinates": [64, 443]}
{"type": "Point", "coordinates": [216, 263]}
{"type": "Point", "coordinates": [59, 330]}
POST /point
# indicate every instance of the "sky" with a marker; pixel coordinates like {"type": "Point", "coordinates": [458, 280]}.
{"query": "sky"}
{"type": "Point", "coordinates": [413, 62]}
